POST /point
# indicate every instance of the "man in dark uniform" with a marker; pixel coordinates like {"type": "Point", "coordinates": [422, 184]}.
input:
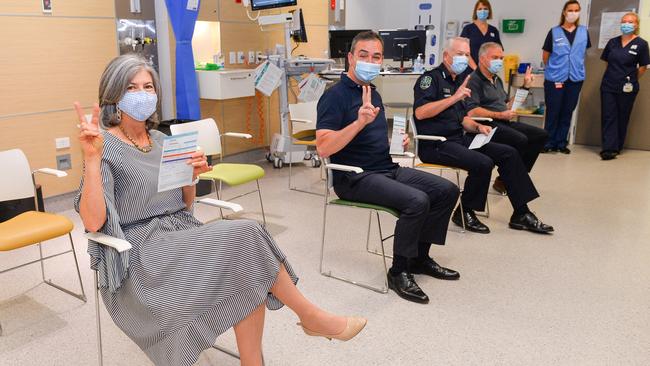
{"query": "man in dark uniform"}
{"type": "Point", "coordinates": [489, 99]}
{"type": "Point", "coordinates": [439, 111]}
{"type": "Point", "coordinates": [352, 130]}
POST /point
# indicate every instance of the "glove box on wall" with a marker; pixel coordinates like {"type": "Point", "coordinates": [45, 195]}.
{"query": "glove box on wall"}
{"type": "Point", "coordinates": [226, 84]}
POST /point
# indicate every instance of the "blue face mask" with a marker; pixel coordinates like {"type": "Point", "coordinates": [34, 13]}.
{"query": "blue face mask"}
{"type": "Point", "coordinates": [495, 66]}
{"type": "Point", "coordinates": [459, 64]}
{"type": "Point", "coordinates": [366, 71]}
{"type": "Point", "coordinates": [483, 14]}
{"type": "Point", "coordinates": [139, 105]}
{"type": "Point", "coordinates": [627, 28]}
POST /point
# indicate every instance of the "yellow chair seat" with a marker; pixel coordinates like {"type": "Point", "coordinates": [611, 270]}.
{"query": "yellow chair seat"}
{"type": "Point", "coordinates": [305, 137]}
{"type": "Point", "coordinates": [32, 227]}
{"type": "Point", "coordinates": [234, 174]}
{"type": "Point", "coordinates": [435, 166]}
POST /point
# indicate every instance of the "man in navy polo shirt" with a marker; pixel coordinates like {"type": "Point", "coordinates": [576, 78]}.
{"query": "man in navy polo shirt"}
{"type": "Point", "coordinates": [352, 130]}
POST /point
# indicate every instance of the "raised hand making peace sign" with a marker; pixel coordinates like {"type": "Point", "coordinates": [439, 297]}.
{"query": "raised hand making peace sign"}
{"type": "Point", "coordinates": [463, 91]}
{"type": "Point", "coordinates": [90, 136]}
{"type": "Point", "coordinates": [367, 112]}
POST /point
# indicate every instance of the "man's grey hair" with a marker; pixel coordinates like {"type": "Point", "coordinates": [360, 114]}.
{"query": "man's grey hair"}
{"type": "Point", "coordinates": [449, 44]}
{"type": "Point", "coordinates": [114, 83]}
{"type": "Point", "coordinates": [488, 46]}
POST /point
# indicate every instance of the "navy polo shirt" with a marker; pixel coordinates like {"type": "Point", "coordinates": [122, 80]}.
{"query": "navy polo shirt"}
{"type": "Point", "coordinates": [623, 62]}
{"type": "Point", "coordinates": [477, 38]}
{"type": "Point", "coordinates": [339, 107]}
{"type": "Point", "coordinates": [433, 86]}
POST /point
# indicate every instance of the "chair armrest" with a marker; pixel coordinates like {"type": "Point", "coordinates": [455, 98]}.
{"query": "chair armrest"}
{"type": "Point", "coordinates": [409, 154]}
{"type": "Point", "coordinates": [484, 119]}
{"type": "Point", "coordinates": [221, 204]}
{"type": "Point", "coordinates": [344, 168]}
{"type": "Point", "coordinates": [50, 171]}
{"type": "Point", "coordinates": [301, 120]}
{"type": "Point", "coordinates": [430, 138]}
{"type": "Point", "coordinates": [238, 135]}
{"type": "Point", "coordinates": [120, 245]}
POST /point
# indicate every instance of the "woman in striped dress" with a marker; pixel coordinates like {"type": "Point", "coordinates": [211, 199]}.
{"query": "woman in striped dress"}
{"type": "Point", "coordinates": [183, 283]}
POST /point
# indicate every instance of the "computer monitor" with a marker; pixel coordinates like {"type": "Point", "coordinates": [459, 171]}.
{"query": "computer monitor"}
{"type": "Point", "coordinates": [341, 40]}
{"type": "Point", "coordinates": [270, 4]}
{"type": "Point", "coordinates": [298, 32]}
{"type": "Point", "coordinates": [402, 44]}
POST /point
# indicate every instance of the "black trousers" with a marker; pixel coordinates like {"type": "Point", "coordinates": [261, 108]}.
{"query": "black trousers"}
{"type": "Point", "coordinates": [616, 110]}
{"type": "Point", "coordinates": [425, 202]}
{"type": "Point", "coordinates": [528, 140]}
{"type": "Point", "coordinates": [479, 164]}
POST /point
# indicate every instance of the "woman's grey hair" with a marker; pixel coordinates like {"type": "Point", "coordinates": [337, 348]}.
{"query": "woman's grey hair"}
{"type": "Point", "coordinates": [487, 46]}
{"type": "Point", "coordinates": [114, 83]}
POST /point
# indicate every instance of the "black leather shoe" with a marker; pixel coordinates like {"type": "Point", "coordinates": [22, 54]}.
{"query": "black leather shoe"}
{"type": "Point", "coordinates": [608, 155]}
{"type": "Point", "coordinates": [431, 268]}
{"type": "Point", "coordinates": [499, 186]}
{"type": "Point", "coordinates": [471, 221]}
{"type": "Point", "coordinates": [529, 221]}
{"type": "Point", "coordinates": [564, 150]}
{"type": "Point", "coordinates": [405, 287]}
{"type": "Point", "coordinates": [547, 150]}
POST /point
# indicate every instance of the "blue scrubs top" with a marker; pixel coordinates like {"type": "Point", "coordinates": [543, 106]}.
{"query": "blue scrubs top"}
{"type": "Point", "coordinates": [623, 62]}
{"type": "Point", "coordinates": [337, 108]}
{"type": "Point", "coordinates": [476, 38]}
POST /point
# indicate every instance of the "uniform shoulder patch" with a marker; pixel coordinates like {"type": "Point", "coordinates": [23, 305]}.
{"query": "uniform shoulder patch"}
{"type": "Point", "coordinates": [425, 82]}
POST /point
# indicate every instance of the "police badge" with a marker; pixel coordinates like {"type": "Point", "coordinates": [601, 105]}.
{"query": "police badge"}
{"type": "Point", "coordinates": [425, 83]}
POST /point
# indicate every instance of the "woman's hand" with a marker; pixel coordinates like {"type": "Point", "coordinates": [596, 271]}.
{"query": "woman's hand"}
{"type": "Point", "coordinates": [90, 137]}
{"type": "Point", "coordinates": [199, 161]}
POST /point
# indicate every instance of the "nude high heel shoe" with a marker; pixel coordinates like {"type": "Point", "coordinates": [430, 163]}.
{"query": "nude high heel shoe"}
{"type": "Point", "coordinates": [353, 327]}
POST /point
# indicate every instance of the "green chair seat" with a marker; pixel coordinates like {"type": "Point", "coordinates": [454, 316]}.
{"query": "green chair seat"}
{"type": "Point", "coordinates": [234, 174]}
{"type": "Point", "coordinates": [365, 205]}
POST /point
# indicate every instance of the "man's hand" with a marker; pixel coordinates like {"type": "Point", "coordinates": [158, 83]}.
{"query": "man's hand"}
{"type": "Point", "coordinates": [463, 91]}
{"type": "Point", "coordinates": [367, 112]}
{"type": "Point", "coordinates": [507, 115]}
{"type": "Point", "coordinates": [405, 142]}
{"type": "Point", "coordinates": [484, 129]}
{"type": "Point", "coordinates": [528, 77]}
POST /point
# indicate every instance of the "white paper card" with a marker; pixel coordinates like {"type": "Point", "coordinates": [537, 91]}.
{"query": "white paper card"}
{"type": "Point", "coordinates": [174, 171]}
{"type": "Point", "coordinates": [267, 78]}
{"type": "Point", "coordinates": [192, 5]}
{"type": "Point", "coordinates": [481, 139]}
{"type": "Point", "coordinates": [520, 99]}
{"type": "Point", "coordinates": [311, 88]}
{"type": "Point", "coordinates": [397, 138]}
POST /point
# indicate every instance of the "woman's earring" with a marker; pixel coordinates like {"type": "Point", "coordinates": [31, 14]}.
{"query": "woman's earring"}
{"type": "Point", "coordinates": [119, 114]}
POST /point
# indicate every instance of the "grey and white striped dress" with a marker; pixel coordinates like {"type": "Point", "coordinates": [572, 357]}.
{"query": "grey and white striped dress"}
{"type": "Point", "coordinates": [183, 283]}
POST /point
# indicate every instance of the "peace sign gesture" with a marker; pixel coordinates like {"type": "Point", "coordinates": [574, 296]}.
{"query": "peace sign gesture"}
{"type": "Point", "coordinates": [463, 91]}
{"type": "Point", "coordinates": [367, 112]}
{"type": "Point", "coordinates": [90, 137]}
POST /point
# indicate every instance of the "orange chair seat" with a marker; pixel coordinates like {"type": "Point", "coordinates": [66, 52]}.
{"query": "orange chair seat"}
{"type": "Point", "coordinates": [32, 227]}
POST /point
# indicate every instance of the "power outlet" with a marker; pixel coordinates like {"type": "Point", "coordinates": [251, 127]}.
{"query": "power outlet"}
{"type": "Point", "coordinates": [258, 57]}
{"type": "Point", "coordinates": [240, 57]}
{"type": "Point", "coordinates": [251, 57]}
{"type": "Point", "coordinates": [232, 57]}
{"type": "Point", "coordinates": [62, 143]}
{"type": "Point", "coordinates": [63, 162]}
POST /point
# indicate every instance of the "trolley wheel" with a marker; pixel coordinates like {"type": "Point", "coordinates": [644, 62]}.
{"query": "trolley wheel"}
{"type": "Point", "coordinates": [269, 157]}
{"type": "Point", "coordinates": [307, 156]}
{"type": "Point", "coordinates": [278, 163]}
{"type": "Point", "coordinates": [315, 163]}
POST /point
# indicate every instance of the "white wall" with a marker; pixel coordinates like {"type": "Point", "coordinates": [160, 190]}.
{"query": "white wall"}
{"type": "Point", "coordinates": [540, 17]}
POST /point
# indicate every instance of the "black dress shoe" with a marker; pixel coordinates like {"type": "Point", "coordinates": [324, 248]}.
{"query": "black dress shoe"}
{"type": "Point", "coordinates": [431, 268]}
{"type": "Point", "coordinates": [608, 155]}
{"type": "Point", "coordinates": [405, 287]}
{"type": "Point", "coordinates": [471, 221]}
{"type": "Point", "coordinates": [564, 150]}
{"type": "Point", "coordinates": [547, 150]}
{"type": "Point", "coordinates": [529, 221]}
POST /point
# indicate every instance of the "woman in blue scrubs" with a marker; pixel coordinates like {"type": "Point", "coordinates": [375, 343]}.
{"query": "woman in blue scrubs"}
{"type": "Point", "coordinates": [627, 57]}
{"type": "Point", "coordinates": [564, 57]}
{"type": "Point", "coordinates": [479, 31]}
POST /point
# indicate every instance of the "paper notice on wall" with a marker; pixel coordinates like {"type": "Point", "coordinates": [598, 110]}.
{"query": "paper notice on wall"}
{"type": "Point", "coordinates": [192, 5]}
{"type": "Point", "coordinates": [311, 88]}
{"type": "Point", "coordinates": [520, 99]}
{"type": "Point", "coordinates": [397, 138]}
{"type": "Point", "coordinates": [267, 78]}
{"type": "Point", "coordinates": [610, 27]}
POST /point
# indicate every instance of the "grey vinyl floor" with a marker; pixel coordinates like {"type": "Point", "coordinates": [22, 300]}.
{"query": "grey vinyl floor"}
{"type": "Point", "coordinates": [578, 297]}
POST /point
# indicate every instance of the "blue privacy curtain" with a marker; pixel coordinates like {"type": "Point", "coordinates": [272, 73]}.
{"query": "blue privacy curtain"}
{"type": "Point", "coordinates": [187, 93]}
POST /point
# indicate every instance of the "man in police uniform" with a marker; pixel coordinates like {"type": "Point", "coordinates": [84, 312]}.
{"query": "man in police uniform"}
{"type": "Point", "coordinates": [352, 130]}
{"type": "Point", "coordinates": [489, 99]}
{"type": "Point", "coordinates": [439, 110]}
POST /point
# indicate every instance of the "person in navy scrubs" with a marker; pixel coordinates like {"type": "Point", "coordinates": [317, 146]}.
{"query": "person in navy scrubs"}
{"type": "Point", "coordinates": [564, 56]}
{"type": "Point", "coordinates": [479, 31]}
{"type": "Point", "coordinates": [627, 57]}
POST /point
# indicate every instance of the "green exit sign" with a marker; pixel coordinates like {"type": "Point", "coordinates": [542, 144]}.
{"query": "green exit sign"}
{"type": "Point", "coordinates": [513, 25]}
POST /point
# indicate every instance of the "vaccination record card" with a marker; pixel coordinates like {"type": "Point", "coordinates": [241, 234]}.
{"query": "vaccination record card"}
{"type": "Point", "coordinates": [174, 171]}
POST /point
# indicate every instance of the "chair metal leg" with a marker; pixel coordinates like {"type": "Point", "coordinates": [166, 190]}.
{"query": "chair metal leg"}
{"type": "Point", "coordinates": [460, 201]}
{"type": "Point", "coordinates": [232, 353]}
{"type": "Point", "coordinates": [383, 252]}
{"type": "Point", "coordinates": [259, 193]}
{"type": "Point", "coordinates": [40, 254]}
{"type": "Point", "coordinates": [82, 295]}
{"type": "Point", "coordinates": [218, 191]}
{"type": "Point", "coordinates": [100, 356]}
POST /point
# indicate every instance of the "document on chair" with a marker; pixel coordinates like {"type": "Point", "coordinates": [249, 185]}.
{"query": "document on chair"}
{"type": "Point", "coordinates": [174, 171]}
{"type": "Point", "coordinates": [520, 99]}
{"type": "Point", "coordinates": [481, 139]}
{"type": "Point", "coordinates": [397, 138]}
{"type": "Point", "coordinates": [267, 78]}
